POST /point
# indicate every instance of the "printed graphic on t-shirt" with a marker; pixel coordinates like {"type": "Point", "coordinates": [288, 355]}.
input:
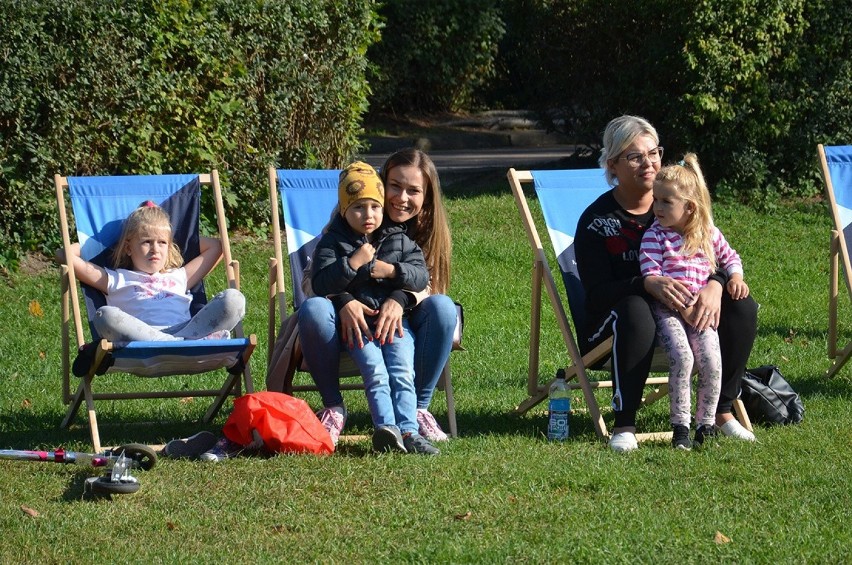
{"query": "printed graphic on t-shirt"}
{"type": "Point", "coordinates": [154, 287]}
{"type": "Point", "coordinates": [620, 237]}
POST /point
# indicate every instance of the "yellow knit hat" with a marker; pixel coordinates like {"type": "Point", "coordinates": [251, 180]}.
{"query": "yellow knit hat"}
{"type": "Point", "coordinates": [359, 180]}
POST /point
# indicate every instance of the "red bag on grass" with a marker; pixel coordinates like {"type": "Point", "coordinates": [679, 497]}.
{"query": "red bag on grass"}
{"type": "Point", "coordinates": [286, 424]}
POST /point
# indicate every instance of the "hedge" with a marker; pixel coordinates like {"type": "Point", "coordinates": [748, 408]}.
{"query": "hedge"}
{"type": "Point", "coordinates": [435, 55]}
{"type": "Point", "coordinates": [750, 85]}
{"type": "Point", "coordinates": [137, 87]}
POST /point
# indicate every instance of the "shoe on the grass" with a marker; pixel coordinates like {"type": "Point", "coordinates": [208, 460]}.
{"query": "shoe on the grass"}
{"type": "Point", "coordinates": [415, 443]}
{"type": "Point", "coordinates": [622, 442]}
{"type": "Point", "coordinates": [224, 449]}
{"type": "Point", "coordinates": [333, 419]}
{"type": "Point", "coordinates": [734, 429]}
{"type": "Point", "coordinates": [429, 427]}
{"type": "Point", "coordinates": [190, 447]}
{"type": "Point", "coordinates": [704, 432]}
{"type": "Point", "coordinates": [680, 437]}
{"type": "Point", "coordinates": [388, 438]}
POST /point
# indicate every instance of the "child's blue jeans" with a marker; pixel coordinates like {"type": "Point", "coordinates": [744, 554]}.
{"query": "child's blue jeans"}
{"type": "Point", "coordinates": [388, 373]}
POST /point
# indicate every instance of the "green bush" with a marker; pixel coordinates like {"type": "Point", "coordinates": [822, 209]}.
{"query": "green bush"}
{"type": "Point", "coordinates": [751, 85]}
{"type": "Point", "coordinates": [435, 55]}
{"type": "Point", "coordinates": [124, 87]}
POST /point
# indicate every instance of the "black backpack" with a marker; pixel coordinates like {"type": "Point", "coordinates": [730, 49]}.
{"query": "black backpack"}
{"type": "Point", "coordinates": [769, 398]}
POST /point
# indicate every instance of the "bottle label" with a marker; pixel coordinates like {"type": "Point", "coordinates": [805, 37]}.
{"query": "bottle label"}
{"type": "Point", "coordinates": [557, 428]}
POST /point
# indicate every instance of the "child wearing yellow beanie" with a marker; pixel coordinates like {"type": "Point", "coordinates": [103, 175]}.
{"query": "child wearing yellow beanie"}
{"type": "Point", "coordinates": [362, 257]}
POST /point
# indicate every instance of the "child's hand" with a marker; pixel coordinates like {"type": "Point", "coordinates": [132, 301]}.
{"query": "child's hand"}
{"type": "Point", "coordinates": [59, 255]}
{"type": "Point", "coordinates": [361, 257]}
{"type": "Point", "coordinates": [737, 287]}
{"type": "Point", "coordinates": [382, 270]}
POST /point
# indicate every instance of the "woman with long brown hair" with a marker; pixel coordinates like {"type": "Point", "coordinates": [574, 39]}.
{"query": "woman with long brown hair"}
{"type": "Point", "coordinates": [413, 198]}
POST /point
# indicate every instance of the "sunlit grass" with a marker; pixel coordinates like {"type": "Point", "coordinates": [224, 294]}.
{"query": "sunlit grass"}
{"type": "Point", "coordinates": [500, 492]}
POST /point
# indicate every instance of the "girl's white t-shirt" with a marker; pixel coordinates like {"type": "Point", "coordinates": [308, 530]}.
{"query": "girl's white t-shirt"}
{"type": "Point", "coordinates": [160, 300]}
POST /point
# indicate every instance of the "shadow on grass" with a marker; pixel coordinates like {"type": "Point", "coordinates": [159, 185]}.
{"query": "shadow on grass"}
{"type": "Point", "coordinates": [27, 429]}
{"type": "Point", "coordinates": [819, 385]}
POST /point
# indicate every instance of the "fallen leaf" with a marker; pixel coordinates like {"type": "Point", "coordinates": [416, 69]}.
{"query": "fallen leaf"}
{"type": "Point", "coordinates": [721, 538]}
{"type": "Point", "coordinates": [26, 403]}
{"type": "Point", "coordinates": [35, 309]}
{"type": "Point", "coordinates": [186, 399]}
{"type": "Point", "coordinates": [464, 517]}
{"type": "Point", "coordinates": [29, 511]}
{"type": "Point", "coordinates": [280, 529]}
{"type": "Point", "coordinates": [170, 526]}
{"type": "Point", "coordinates": [42, 355]}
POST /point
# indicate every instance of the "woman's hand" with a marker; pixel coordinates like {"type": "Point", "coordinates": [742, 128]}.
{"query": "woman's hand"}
{"type": "Point", "coordinates": [670, 292]}
{"type": "Point", "coordinates": [707, 308]}
{"type": "Point", "coordinates": [389, 321]}
{"type": "Point", "coordinates": [353, 323]}
{"type": "Point", "coordinates": [382, 270]}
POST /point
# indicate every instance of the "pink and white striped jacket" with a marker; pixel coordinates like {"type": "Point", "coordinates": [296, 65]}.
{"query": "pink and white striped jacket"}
{"type": "Point", "coordinates": [660, 254]}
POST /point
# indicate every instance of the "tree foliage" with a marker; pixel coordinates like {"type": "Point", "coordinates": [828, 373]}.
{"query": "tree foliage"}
{"type": "Point", "coordinates": [435, 55]}
{"type": "Point", "coordinates": [750, 85]}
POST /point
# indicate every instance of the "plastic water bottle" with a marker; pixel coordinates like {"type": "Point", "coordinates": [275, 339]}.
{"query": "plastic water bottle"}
{"type": "Point", "coordinates": [558, 409]}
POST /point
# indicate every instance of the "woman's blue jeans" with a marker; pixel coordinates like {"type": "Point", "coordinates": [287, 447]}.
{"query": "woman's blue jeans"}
{"type": "Point", "coordinates": [432, 324]}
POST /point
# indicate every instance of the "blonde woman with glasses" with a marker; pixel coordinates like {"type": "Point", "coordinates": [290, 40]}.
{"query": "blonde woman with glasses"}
{"type": "Point", "coordinates": [618, 298]}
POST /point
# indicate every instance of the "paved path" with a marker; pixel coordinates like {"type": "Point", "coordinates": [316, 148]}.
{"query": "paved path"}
{"type": "Point", "coordinates": [474, 160]}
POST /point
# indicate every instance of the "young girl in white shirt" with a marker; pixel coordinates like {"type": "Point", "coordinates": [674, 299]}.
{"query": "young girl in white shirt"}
{"type": "Point", "coordinates": [147, 293]}
{"type": "Point", "coordinates": [683, 244]}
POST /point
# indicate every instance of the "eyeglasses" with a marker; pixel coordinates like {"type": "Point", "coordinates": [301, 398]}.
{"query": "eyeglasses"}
{"type": "Point", "coordinates": [637, 159]}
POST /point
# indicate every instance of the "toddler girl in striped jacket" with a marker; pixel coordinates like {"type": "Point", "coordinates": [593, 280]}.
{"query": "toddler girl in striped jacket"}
{"type": "Point", "coordinates": [684, 244]}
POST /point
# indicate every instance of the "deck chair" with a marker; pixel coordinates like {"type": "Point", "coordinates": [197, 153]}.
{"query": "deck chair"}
{"type": "Point", "coordinates": [100, 204]}
{"type": "Point", "coordinates": [836, 164]}
{"type": "Point", "coordinates": [563, 196]}
{"type": "Point", "coordinates": [308, 197]}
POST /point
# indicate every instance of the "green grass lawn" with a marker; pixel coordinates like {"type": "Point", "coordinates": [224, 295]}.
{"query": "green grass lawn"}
{"type": "Point", "coordinates": [498, 493]}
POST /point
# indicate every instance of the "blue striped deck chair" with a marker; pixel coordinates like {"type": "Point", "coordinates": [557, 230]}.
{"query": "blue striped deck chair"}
{"type": "Point", "coordinates": [563, 195]}
{"type": "Point", "coordinates": [836, 164]}
{"type": "Point", "coordinates": [100, 205]}
{"type": "Point", "coordinates": [307, 199]}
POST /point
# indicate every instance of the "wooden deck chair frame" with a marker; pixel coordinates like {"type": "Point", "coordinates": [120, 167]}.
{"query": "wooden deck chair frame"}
{"type": "Point", "coordinates": [278, 309]}
{"type": "Point", "coordinates": [836, 169]}
{"type": "Point", "coordinates": [542, 276]}
{"type": "Point", "coordinates": [158, 358]}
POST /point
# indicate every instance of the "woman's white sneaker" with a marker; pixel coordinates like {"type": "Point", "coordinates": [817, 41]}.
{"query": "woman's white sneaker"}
{"type": "Point", "coordinates": [623, 442]}
{"type": "Point", "coordinates": [734, 429]}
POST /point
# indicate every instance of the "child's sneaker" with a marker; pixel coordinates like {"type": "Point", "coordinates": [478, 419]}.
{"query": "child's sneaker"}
{"type": "Point", "coordinates": [333, 419]}
{"type": "Point", "coordinates": [388, 438]}
{"type": "Point", "coordinates": [429, 427]}
{"type": "Point", "coordinates": [680, 437]}
{"type": "Point", "coordinates": [703, 432]}
{"type": "Point", "coordinates": [193, 446]}
{"type": "Point", "coordinates": [415, 443]}
{"type": "Point", "coordinates": [223, 449]}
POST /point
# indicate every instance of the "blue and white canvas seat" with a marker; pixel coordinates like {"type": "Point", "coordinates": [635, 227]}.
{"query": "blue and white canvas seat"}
{"type": "Point", "coordinates": [563, 195]}
{"type": "Point", "coordinates": [100, 205]}
{"type": "Point", "coordinates": [307, 199]}
{"type": "Point", "coordinates": [836, 167]}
